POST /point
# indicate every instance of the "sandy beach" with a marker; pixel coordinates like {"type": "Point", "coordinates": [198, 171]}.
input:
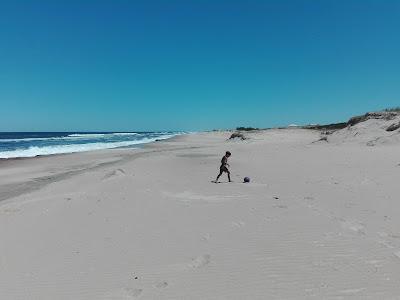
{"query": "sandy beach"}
{"type": "Point", "coordinates": [318, 220]}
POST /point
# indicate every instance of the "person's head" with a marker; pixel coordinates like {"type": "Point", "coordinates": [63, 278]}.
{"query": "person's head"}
{"type": "Point", "coordinates": [227, 154]}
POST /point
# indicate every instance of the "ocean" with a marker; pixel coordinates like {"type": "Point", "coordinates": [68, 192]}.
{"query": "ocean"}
{"type": "Point", "coordinates": [31, 144]}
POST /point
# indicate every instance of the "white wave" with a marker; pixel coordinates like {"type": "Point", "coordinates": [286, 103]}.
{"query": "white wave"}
{"type": "Point", "coordinates": [61, 149]}
{"type": "Point", "coordinates": [71, 137]}
{"type": "Point", "coordinates": [32, 139]}
{"type": "Point", "coordinates": [87, 135]}
{"type": "Point", "coordinates": [100, 135]}
{"type": "Point", "coordinates": [125, 133]}
{"type": "Point", "coordinates": [60, 138]}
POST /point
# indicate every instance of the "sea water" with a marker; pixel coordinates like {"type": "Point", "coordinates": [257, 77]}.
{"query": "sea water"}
{"type": "Point", "coordinates": [31, 144]}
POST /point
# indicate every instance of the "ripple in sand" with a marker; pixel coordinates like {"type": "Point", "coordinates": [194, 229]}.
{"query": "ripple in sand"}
{"type": "Point", "coordinates": [200, 261]}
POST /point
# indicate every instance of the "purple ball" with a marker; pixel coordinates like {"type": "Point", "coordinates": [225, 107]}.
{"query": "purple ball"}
{"type": "Point", "coordinates": [246, 179]}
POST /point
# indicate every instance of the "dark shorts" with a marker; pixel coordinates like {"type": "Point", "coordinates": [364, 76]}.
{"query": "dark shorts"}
{"type": "Point", "coordinates": [223, 169]}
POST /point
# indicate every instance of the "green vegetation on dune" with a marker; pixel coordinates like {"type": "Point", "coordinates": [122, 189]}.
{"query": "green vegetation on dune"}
{"type": "Point", "coordinates": [392, 109]}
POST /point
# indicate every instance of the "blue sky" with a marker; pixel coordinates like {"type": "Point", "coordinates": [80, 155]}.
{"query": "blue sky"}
{"type": "Point", "coordinates": [194, 65]}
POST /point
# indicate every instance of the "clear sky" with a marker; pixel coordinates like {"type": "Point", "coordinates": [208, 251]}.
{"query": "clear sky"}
{"type": "Point", "coordinates": [193, 65]}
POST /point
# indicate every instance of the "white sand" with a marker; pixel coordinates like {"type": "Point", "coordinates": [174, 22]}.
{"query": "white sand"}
{"type": "Point", "coordinates": [318, 220]}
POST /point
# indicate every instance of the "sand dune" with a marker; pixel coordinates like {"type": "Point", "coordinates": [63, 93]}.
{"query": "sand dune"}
{"type": "Point", "coordinates": [317, 221]}
{"type": "Point", "coordinates": [373, 129]}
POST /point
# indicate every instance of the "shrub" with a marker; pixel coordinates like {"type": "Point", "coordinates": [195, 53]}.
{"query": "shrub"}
{"type": "Point", "coordinates": [246, 128]}
{"type": "Point", "coordinates": [237, 135]}
{"type": "Point", "coordinates": [393, 127]}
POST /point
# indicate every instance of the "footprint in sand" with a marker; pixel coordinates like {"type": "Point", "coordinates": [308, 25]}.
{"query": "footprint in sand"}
{"type": "Point", "coordinates": [10, 210]}
{"type": "Point", "coordinates": [311, 203]}
{"type": "Point", "coordinates": [355, 226]}
{"type": "Point", "coordinates": [238, 224]}
{"type": "Point", "coordinates": [113, 174]}
{"type": "Point", "coordinates": [351, 292]}
{"type": "Point", "coordinates": [206, 237]}
{"type": "Point", "coordinates": [189, 197]}
{"type": "Point", "coordinates": [200, 261]}
{"type": "Point", "coordinates": [387, 244]}
{"type": "Point", "coordinates": [161, 285]}
{"type": "Point", "coordinates": [281, 206]}
{"type": "Point", "coordinates": [270, 219]}
{"type": "Point", "coordinates": [125, 293]}
{"type": "Point", "coordinates": [389, 235]}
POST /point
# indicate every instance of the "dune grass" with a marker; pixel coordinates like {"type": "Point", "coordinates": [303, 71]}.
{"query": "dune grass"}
{"type": "Point", "coordinates": [392, 109]}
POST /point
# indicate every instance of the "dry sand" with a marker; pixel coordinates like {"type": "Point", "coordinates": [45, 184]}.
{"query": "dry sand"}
{"type": "Point", "coordinates": [318, 221]}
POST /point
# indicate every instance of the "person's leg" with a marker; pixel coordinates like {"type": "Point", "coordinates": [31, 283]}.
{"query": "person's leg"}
{"type": "Point", "coordinates": [219, 175]}
{"type": "Point", "coordinates": [229, 176]}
